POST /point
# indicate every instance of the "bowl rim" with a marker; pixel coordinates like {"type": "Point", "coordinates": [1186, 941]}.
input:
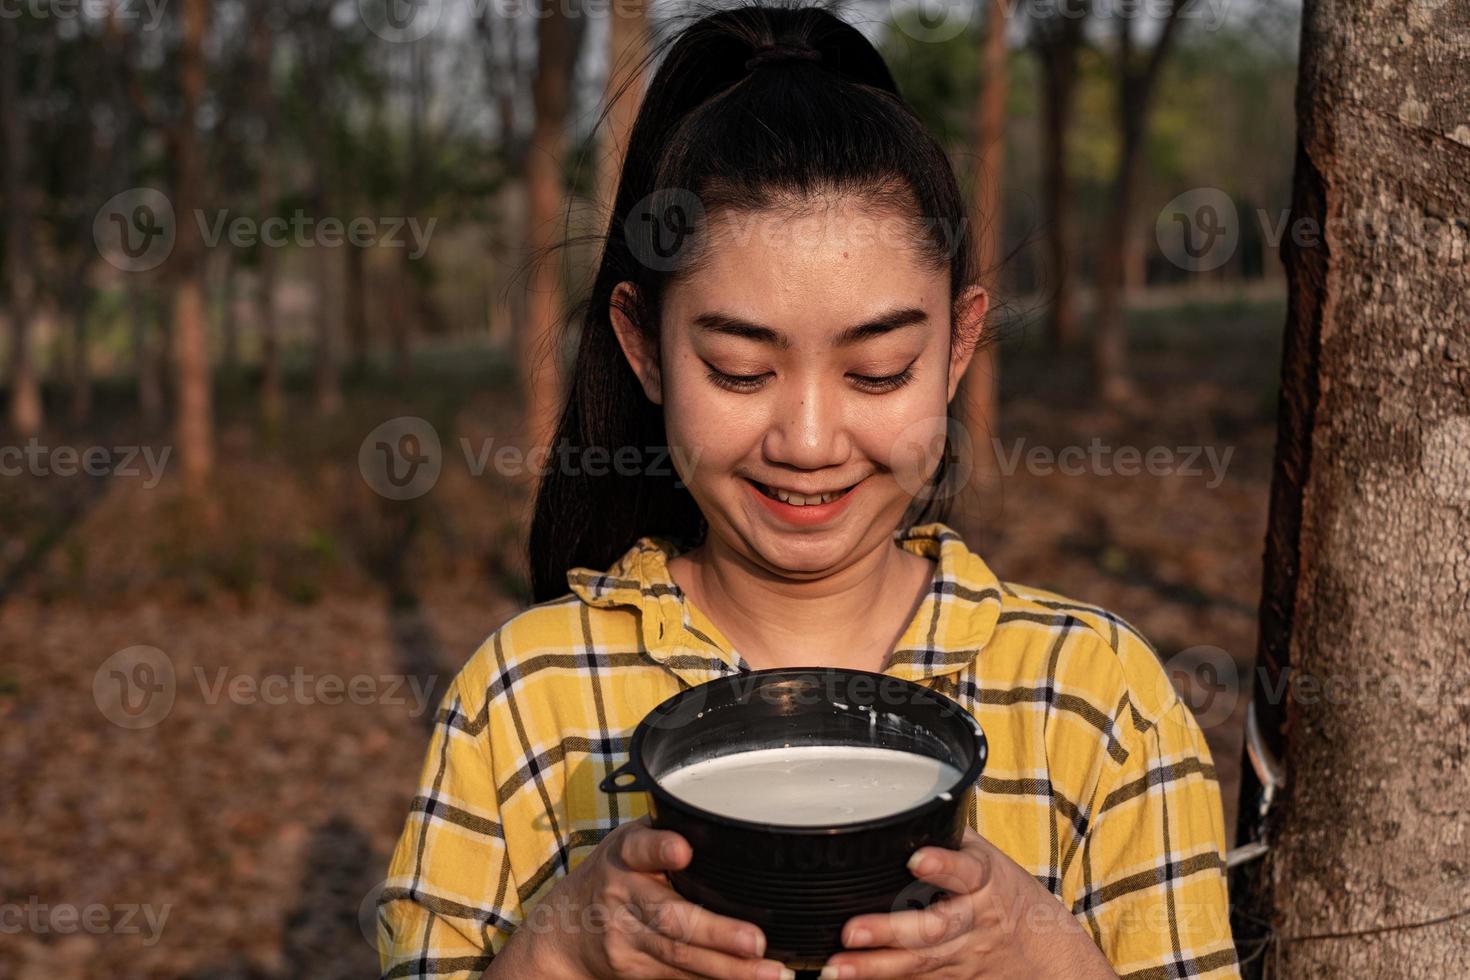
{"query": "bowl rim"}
{"type": "Point", "coordinates": [969, 778]}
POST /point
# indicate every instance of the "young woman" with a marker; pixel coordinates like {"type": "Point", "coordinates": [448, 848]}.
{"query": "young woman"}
{"type": "Point", "coordinates": [784, 308]}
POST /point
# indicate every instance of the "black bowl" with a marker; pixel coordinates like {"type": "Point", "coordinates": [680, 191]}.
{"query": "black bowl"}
{"type": "Point", "coordinates": [800, 884]}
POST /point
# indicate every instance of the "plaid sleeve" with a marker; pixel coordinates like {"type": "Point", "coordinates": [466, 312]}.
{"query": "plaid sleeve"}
{"type": "Point", "coordinates": [1154, 894]}
{"type": "Point", "coordinates": [450, 900]}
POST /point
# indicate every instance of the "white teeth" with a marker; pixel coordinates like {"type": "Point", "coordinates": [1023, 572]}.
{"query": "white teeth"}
{"type": "Point", "coordinates": [802, 500]}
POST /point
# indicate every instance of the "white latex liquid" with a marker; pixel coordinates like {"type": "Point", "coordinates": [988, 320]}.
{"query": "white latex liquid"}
{"type": "Point", "coordinates": [811, 785]}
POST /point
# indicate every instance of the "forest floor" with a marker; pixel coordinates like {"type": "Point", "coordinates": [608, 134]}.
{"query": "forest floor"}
{"type": "Point", "coordinates": [238, 837]}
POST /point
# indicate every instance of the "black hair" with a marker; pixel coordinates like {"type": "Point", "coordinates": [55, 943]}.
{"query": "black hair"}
{"type": "Point", "coordinates": [752, 107]}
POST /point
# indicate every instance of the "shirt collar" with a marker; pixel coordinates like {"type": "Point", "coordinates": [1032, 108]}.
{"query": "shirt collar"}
{"type": "Point", "coordinates": [954, 620]}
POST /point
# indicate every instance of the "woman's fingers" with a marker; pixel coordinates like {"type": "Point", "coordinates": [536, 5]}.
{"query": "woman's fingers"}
{"type": "Point", "coordinates": [960, 872]}
{"type": "Point", "coordinates": [690, 937]}
{"type": "Point", "coordinates": [914, 929]}
{"type": "Point", "coordinates": [885, 964]}
{"type": "Point", "coordinates": [685, 958]}
{"type": "Point", "coordinates": [644, 849]}
{"type": "Point", "coordinates": [669, 914]}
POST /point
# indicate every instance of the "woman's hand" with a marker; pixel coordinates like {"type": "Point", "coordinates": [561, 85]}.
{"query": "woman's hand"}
{"type": "Point", "coordinates": [997, 921]}
{"type": "Point", "coordinates": [615, 917]}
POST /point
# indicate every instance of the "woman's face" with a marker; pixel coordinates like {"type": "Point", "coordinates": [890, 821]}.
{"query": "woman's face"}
{"type": "Point", "coordinates": [805, 367]}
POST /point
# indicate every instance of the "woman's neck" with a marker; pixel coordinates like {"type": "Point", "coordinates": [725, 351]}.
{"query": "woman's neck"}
{"type": "Point", "coordinates": [851, 618]}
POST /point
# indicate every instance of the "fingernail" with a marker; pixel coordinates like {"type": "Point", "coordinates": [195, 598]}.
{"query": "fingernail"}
{"type": "Point", "coordinates": [754, 943]}
{"type": "Point", "coordinates": [786, 974]}
{"type": "Point", "coordinates": [830, 972]}
{"type": "Point", "coordinates": [860, 937]}
{"type": "Point", "coordinates": [918, 863]}
{"type": "Point", "coordinates": [666, 851]}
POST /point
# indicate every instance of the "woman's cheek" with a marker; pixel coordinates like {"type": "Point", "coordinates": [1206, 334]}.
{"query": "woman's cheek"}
{"type": "Point", "coordinates": [903, 433]}
{"type": "Point", "coordinates": [708, 437]}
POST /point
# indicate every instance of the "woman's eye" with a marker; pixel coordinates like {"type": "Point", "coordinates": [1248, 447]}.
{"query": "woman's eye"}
{"type": "Point", "coordinates": [885, 382]}
{"type": "Point", "coordinates": [736, 382]}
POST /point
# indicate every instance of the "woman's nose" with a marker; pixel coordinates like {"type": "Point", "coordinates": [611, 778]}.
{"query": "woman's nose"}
{"type": "Point", "coordinates": [807, 430]}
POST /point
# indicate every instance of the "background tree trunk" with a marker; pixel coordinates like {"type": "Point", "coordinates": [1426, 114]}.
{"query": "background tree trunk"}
{"type": "Point", "coordinates": [1367, 586]}
{"type": "Point", "coordinates": [1058, 42]}
{"type": "Point", "coordinates": [262, 49]}
{"type": "Point", "coordinates": [145, 353]}
{"type": "Point", "coordinates": [627, 47]}
{"type": "Point", "coordinates": [1136, 78]}
{"type": "Point", "coordinates": [539, 362]}
{"type": "Point", "coordinates": [20, 278]}
{"type": "Point", "coordinates": [979, 390]}
{"type": "Point", "coordinates": [194, 421]}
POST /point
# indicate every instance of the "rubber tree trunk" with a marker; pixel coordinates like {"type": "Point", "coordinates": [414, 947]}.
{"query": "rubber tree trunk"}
{"type": "Point", "coordinates": [20, 274]}
{"type": "Point", "coordinates": [979, 391]}
{"type": "Point", "coordinates": [1366, 602]}
{"type": "Point", "coordinates": [194, 419]}
{"type": "Point", "coordinates": [262, 51]}
{"type": "Point", "coordinates": [627, 48]}
{"type": "Point", "coordinates": [539, 364]}
{"type": "Point", "coordinates": [1137, 76]}
{"type": "Point", "coordinates": [1057, 47]}
{"type": "Point", "coordinates": [145, 354]}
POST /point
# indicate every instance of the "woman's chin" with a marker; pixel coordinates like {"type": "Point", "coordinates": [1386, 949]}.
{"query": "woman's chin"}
{"type": "Point", "coordinates": [805, 552]}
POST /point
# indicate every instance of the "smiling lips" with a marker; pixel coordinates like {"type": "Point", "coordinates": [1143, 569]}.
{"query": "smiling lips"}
{"type": "Point", "coordinates": [802, 508]}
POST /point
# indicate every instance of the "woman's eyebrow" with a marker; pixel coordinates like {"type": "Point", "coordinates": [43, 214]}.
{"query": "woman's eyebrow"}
{"type": "Point", "coordinates": [883, 323]}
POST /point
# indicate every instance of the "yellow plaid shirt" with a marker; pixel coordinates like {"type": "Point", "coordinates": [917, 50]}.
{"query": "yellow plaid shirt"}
{"type": "Point", "coordinates": [1099, 782]}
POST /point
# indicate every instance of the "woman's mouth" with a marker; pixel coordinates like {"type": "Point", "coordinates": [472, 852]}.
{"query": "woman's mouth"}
{"type": "Point", "coordinates": [802, 508]}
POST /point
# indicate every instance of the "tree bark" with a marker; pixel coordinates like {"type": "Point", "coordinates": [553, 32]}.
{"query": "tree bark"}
{"type": "Point", "coordinates": [194, 421]}
{"type": "Point", "coordinates": [267, 190]}
{"type": "Point", "coordinates": [979, 391]}
{"type": "Point", "coordinates": [229, 322]}
{"type": "Point", "coordinates": [539, 362]}
{"type": "Point", "coordinates": [145, 354]}
{"type": "Point", "coordinates": [1366, 600]}
{"type": "Point", "coordinates": [627, 48]}
{"type": "Point", "coordinates": [20, 278]}
{"type": "Point", "coordinates": [76, 311]}
{"type": "Point", "coordinates": [1057, 44]}
{"type": "Point", "coordinates": [355, 299]}
{"type": "Point", "coordinates": [1136, 77]}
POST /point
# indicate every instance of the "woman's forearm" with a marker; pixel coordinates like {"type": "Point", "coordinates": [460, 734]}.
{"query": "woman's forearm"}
{"type": "Point", "coordinates": [528, 955]}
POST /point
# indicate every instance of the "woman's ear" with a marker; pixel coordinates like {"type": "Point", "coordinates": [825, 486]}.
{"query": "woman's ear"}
{"type": "Point", "coordinates": [642, 354]}
{"type": "Point", "coordinates": [968, 324]}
